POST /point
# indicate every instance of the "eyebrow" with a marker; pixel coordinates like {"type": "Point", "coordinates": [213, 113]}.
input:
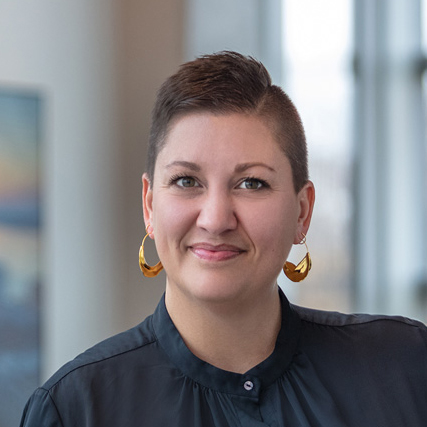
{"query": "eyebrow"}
{"type": "Point", "coordinates": [239, 168]}
{"type": "Point", "coordinates": [190, 165]}
{"type": "Point", "coordinates": [245, 166]}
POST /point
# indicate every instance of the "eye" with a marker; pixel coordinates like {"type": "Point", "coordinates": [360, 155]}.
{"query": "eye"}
{"type": "Point", "coordinates": [186, 181]}
{"type": "Point", "coordinates": [253, 184]}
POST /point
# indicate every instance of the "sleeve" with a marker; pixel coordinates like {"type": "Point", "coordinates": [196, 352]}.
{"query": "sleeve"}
{"type": "Point", "coordinates": [40, 410]}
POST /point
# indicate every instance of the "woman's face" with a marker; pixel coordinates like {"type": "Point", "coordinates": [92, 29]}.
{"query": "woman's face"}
{"type": "Point", "coordinates": [223, 207]}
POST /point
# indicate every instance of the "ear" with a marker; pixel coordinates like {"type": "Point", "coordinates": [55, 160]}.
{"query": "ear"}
{"type": "Point", "coordinates": [147, 204]}
{"type": "Point", "coordinates": [306, 198]}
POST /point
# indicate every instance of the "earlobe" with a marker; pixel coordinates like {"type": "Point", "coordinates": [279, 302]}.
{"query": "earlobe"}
{"type": "Point", "coordinates": [306, 198]}
{"type": "Point", "coordinates": [147, 201]}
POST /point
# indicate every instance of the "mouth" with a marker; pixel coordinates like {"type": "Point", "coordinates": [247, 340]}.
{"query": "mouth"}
{"type": "Point", "coordinates": [208, 252]}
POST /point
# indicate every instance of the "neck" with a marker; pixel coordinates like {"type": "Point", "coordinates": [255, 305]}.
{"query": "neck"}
{"type": "Point", "coordinates": [233, 336]}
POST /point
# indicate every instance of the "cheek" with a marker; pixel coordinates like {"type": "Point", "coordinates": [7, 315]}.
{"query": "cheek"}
{"type": "Point", "coordinates": [171, 218]}
{"type": "Point", "coordinates": [279, 227]}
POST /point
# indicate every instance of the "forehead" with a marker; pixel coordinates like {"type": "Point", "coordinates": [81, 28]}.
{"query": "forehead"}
{"type": "Point", "coordinates": [210, 136]}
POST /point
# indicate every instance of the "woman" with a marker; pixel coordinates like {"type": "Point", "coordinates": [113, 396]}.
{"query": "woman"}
{"type": "Point", "coordinates": [225, 196]}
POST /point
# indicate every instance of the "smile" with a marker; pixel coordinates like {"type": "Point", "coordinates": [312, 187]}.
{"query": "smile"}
{"type": "Point", "coordinates": [209, 252]}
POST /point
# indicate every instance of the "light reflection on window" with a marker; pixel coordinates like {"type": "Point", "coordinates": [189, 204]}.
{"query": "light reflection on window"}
{"type": "Point", "coordinates": [317, 66]}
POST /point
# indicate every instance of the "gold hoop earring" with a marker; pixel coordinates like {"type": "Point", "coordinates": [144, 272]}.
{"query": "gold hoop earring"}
{"type": "Point", "coordinates": [299, 272]}
{"type": "Point", "coordinates": [146, 269]}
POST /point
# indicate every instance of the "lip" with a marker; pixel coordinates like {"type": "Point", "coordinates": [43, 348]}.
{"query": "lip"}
{"type": "Point", "coordinates": [209, 252]}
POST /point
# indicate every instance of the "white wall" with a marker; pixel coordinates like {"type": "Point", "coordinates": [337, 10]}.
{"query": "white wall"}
{"type": "Point", "coordinates": [97, 64]}
{"type": "Point", "coordinates": [252, 27]}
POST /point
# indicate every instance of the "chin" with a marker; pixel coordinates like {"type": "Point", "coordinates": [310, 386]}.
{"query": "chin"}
{"type": "Point", "coordinates": [212, 288]}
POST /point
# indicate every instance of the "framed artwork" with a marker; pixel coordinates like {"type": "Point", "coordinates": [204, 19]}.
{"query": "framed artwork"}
{"type": "Point", "coordinates": [20, 117]}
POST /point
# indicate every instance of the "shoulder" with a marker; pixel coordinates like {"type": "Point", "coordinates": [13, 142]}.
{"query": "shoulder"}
{"type": "Point", "coordinates": [374, 362]}
{"type": "Point", "coordinates": [126, 346]}
{"type": "Point", "coordinates": [119, 375]}
{"type": "Point", "coordinates": [363, 334]}
{"type": "Point", "coordinates": [117, 366]}
{"type": "Point", "coordinates": [336, 319]}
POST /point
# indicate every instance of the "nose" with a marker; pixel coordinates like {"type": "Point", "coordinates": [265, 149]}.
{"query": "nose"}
{"type": "Point", "coordinates": [217, 214]}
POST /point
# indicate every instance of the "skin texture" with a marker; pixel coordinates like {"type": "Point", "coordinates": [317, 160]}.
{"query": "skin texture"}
{"type": "Point", "coordinates": [224, 214]}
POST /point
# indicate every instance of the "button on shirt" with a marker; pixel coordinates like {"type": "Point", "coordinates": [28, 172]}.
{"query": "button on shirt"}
{"type": "Point", "coordinates": [327, 369]}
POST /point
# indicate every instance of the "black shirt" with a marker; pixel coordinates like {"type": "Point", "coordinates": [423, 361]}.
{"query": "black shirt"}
{"type": "Point", "coordinates": [327, 369]}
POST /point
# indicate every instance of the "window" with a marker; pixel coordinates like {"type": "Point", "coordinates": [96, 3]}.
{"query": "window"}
{"type": "Point", "coordinates": [317, 74]}
{"type": "Point", "coordinates": [355, 71]}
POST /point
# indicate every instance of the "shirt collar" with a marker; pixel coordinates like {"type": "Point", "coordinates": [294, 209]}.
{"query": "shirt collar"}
{"type": "Point", "coordinates": [261, 376]}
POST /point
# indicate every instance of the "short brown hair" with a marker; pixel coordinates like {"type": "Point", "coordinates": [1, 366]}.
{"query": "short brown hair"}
{"type": "Point", "coordinates": [223, 83]}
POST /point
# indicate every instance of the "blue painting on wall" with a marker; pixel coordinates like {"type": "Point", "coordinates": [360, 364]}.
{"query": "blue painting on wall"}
{"type": "Point", "coordinates": [19, 250]}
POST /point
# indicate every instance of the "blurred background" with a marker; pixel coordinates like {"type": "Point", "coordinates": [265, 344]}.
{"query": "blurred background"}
{"type": "Point", "coordinates": [77, 83]}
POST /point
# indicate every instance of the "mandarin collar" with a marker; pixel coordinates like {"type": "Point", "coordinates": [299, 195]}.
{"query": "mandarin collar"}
{"type": "Point", "coordinates": [249, 384]}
